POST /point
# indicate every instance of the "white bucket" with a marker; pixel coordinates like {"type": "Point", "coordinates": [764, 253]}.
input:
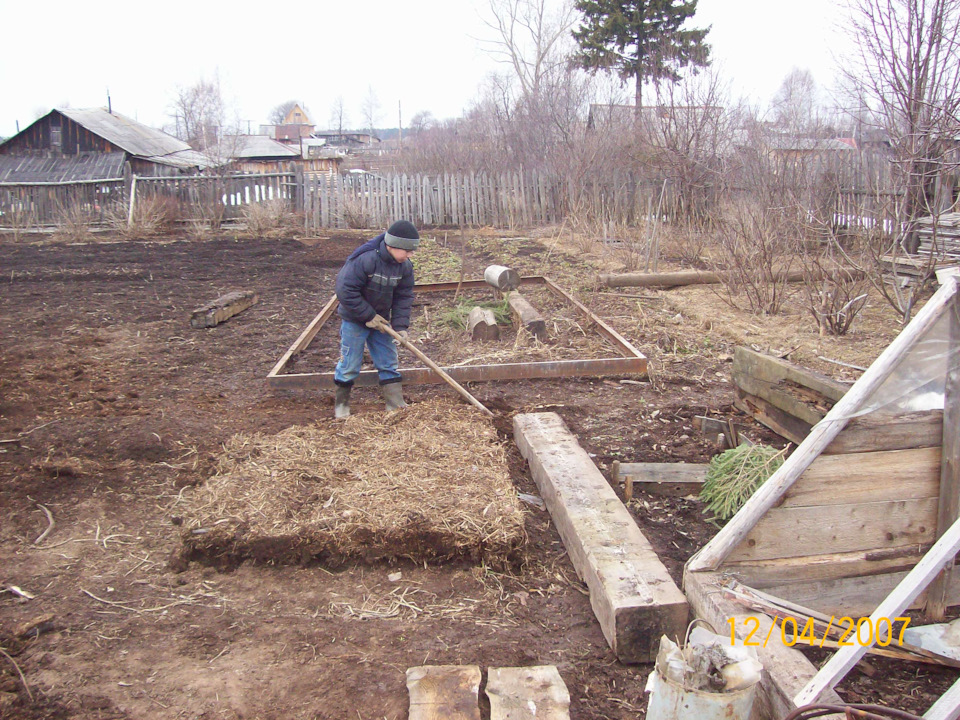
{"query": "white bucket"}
{"type": "Point", "coordinates": [669, 701]}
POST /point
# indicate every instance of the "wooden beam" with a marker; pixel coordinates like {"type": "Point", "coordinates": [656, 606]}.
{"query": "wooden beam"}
{"type": "Point", "coordinates": [482, 325]}
{"type": "Point", "coordinates": [949, 508]}
{"type": "Point", "coordinates": [444, 692]}
{"type": "Point", "coordinates": [682, 277]}
{"type": "Point", "coordinates": [665, 479]}
{"type": "Point", "coordinates": [765, 413]}
{"type": "Point", "coordinates": [785, 670]}
{"type": "Point", "coordinates": [527, 316]}
{"type": "Point", "coordinates": [527, 693]}
{"type": "Point", "coordinates": [760, 376]}
{"type": "Point", "coordinates": [714, 552]}
{"type": "Point", "coordinates": [631, 591]}
{"type": "Point", "coordinates": [222, 309]}
{"type": "Point", "coordinates": [894, 605]}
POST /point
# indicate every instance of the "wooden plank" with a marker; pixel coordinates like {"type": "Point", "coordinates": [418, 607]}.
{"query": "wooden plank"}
{"type": "Point", "coordinates": [796, 531]}
{"type": "Point", "coordinates": [772, 370]}
{"type": "Point", "coordinates": [664, 479]}
{"type": "Point", "coordinates": [947, 707]}
{"type": "Point", "coordinates": [949, 508]}
{"type": "Point", "coordinates": [482, 325]}
{"type": "Point", "coordinates": [526, 315]}
{"type": "Point", "coordinates": [779, 396]}
{"type": "Point", "coordinates": [631, 591]}
{"type": "Point", "coordinates": [222, 309]}
{"type": "Point", "coordinates": [785, 670]}
{"type": "Point", "coordinates": [867, 477]}
{"type": "Point", "coordinates": [527, 693]}
{"type": "Point", "coordinates": [889, 431]}
{"type": "Point", "coordinates": [765, 413]}
{"type": "Point", "coordinates": [855, 596]}
{"type": "Point", "coordinates": [762, 574]}
{"type": "Point", "coordinates": [714, 552]}
{"type": "Point", "coordinates": [895, 604]}
{"type": "Point", "coordinates": [444, 692]}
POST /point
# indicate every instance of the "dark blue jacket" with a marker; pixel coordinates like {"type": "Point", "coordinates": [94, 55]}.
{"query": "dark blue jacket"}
{"type": "Point", "coordinates": [372, 283]}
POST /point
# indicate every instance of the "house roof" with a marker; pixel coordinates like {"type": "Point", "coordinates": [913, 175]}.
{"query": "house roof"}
{"type": "Point", "coordinates": [249, 147]}
{"type": "Point", "coordinates": [63, 168]}
{"type": "Point", "coordinates": [136, 138]}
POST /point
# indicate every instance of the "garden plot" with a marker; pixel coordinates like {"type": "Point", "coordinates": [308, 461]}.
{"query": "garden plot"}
{"type": "Point", "coordinates": [428, 483]}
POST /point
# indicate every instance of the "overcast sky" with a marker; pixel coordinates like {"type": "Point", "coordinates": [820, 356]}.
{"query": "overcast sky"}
{"type": "Point", "coordinates": [422, 54]}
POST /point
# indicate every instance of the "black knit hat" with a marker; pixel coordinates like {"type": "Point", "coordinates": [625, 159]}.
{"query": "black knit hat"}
{"type": "Point", "coordinates": [402, 234]}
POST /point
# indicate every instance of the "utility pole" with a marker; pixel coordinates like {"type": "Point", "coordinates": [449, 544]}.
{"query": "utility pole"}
{"type": "Point", "coordinates": [400, 122]}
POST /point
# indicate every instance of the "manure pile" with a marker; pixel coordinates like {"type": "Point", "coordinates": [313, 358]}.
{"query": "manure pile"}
{"type": "Point", "coordinates": [428, 483]}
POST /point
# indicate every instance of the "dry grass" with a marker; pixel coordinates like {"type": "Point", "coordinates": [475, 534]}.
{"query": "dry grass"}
{"type": "Point", "coordinates": [428, 483]}
{"type": "Point", "coordinates": [271, 219]}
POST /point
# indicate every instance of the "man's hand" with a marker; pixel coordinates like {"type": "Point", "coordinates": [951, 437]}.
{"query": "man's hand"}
{"type": "Point", "coordinates": [377, 322]}
{"type": "Point", "coordinates": [402, 333]}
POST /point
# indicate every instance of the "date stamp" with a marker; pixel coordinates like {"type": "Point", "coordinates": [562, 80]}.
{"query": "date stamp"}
{"type": "Point", "coordinates": [852, 632]}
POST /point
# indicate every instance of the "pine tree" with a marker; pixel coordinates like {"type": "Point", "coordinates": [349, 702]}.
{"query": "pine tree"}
{"type": "Point", "coordinates": [639, 39]}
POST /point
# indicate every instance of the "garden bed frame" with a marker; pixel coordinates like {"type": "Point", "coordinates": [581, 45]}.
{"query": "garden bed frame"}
{"type": "Point", "coordinates": [632, 361]}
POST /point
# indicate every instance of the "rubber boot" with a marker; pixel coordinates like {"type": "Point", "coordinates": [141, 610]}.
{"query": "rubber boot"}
{"type": "Point", "coordinates": [341, 407]}
{"type": "Point", "coordinates": [393, 394]}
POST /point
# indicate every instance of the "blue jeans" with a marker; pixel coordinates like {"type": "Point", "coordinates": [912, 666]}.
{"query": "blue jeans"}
{"type": "Point", "coordinates": [383, 352]}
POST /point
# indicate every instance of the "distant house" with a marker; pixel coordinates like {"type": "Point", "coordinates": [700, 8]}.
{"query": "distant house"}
{"type": "Point", "coordinates": [71, 145]}
{"type": "Point", "coordinates": [348, 140]}
{"type": "Point", "coordinates": [260, 154]}
{"type": "Point", "coordinates": [295, 126]}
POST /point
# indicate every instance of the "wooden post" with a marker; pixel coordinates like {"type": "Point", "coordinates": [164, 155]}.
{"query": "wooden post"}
{"type": "Point", "coordinates": [527, 315]}
{"type": "Point", "coordinates": [949, 508]}
{"type": "Point", "coordinates": [133, 196]}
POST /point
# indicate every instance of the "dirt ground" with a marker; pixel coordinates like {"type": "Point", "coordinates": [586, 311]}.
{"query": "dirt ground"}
{"type": "Point", "coordinates": [112, 409]}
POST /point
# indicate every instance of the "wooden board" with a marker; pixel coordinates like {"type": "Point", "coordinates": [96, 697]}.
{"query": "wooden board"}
{"type": "Point", "coordinates": [527, 316]}
{"type": "Point", "coordinates": [797, 531]}
{"type": "Point", "coordinates": [664, 479]}
{"type": "Point", "coordinates": [867, 477]}
{"type": "Point", "coordinates": [889, 431]}
{"type": "Point", "coordinates": [222, 309]}
{"type": "Point", "coordinates": [631, 591]}
{"type": "Point", "coordinates": [785, 670]}
{"type": "Point", "coordinates": [763, 574]}
{"type": "Point", "coordinates": [527, 693]}
{"type": "Point", "coordinates": [444, 692]}
{"type": "Point", "coordinates": [947, 707]}
{"type": "Point", "coordinates": [765, 413]}
{"type": "Point", "coordinates": [771, 370]}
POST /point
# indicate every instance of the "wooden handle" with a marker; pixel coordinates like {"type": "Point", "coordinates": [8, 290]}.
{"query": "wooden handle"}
{"type": "Point", "coordinates": [436, 368]}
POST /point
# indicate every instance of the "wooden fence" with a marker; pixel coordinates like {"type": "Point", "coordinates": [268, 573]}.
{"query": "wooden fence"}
{"type": "Point", "coordinates": [30, 205]}
{"type": "Point", "coordinates": [221, 197]}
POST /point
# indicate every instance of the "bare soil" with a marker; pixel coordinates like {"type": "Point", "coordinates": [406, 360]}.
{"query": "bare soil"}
{"type": "Point", "coordinates": [113, 409]}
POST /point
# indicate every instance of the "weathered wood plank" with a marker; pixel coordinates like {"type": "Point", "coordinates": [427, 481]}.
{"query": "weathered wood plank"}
{"type": "Point", "coordinates": [527, 315]}
{"type": "Point", "coordinates": [222, 309]}
{"type": "Point", "coordinates": [631, 592]}
{"type": "Point", "coordinates": [665, 479]}
{"type": "Point", "coordinates": [765, 413]}
{"type": "Point", "coordinates": [785, 670]}
{"type": "Point", "coordinates": [482, 325]}
{"type": "Point", "coordinates": [867, 477]}
{"type": "Point", "coordinates": [772, 370]}
{"type": "Point", "coordinates": [527, 693]}
{"type": "Point", "coordinates": [889, 431]}
{"type": "Point", "coordinates": [444, 692]}
{"type": "Point", "coordinates": [795, 531]}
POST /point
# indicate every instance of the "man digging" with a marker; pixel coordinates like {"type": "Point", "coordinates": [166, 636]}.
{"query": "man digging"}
{"type": "Point", "coordinates": [375, 289]}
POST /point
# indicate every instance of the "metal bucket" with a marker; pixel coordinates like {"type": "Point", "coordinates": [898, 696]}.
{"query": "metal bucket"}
{"type": "Point", "coordinates": [670, 701]}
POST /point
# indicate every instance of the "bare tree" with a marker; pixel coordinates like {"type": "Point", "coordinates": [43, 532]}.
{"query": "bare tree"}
{"type": "Point", "coordinates": [795, 104]}
{"type": "Point", "coordinates": [338, 115]}
{"type": "Point", "coordinates": [530, 39]}
{"type": "Point", "coordinates": [199, 113]}
{"type": "Point", "coordinates": [421, 121]}
{"type": "Point", "coordinates": [905, 68]}
{"type": "Point", "coordinates": [371, 110]}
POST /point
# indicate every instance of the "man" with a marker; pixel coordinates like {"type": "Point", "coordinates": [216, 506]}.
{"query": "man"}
{"type": "Point", "coordinates": [375, 288]}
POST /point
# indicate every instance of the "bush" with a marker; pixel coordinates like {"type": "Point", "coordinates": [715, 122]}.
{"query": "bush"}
{"type": "Point", "coordinates": [270, 219]}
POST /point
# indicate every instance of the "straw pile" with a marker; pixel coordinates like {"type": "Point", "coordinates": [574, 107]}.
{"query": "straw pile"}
{"type": "Point", "coordinates": [429, 483]}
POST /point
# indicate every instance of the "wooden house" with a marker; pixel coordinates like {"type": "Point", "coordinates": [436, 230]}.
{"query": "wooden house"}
{"type": "Point", "coordinates": [261, 154]}
{"type": "Point", "coordinates": [72, 145]}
